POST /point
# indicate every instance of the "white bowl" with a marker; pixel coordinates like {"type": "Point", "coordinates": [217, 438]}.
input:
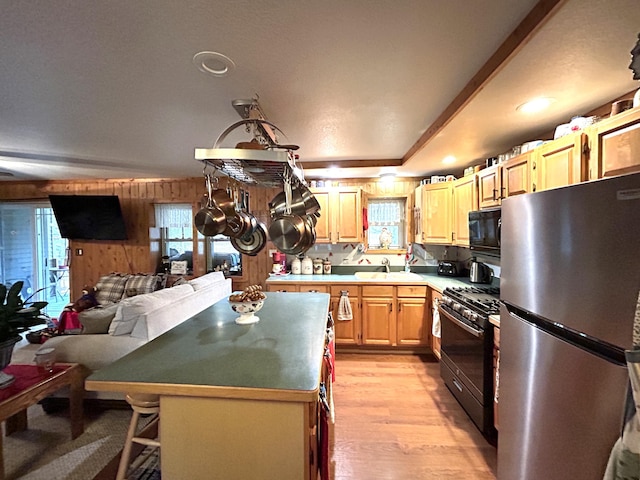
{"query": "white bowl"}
{"type": "Point", "coordinates": [246, 311]}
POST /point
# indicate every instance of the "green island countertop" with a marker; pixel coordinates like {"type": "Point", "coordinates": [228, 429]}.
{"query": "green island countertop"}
{"type": "Point", "coordinates": [209, 355]}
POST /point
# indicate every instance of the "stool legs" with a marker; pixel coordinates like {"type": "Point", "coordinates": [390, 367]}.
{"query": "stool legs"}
{"type": "Point", "coordinates": [124, 465]}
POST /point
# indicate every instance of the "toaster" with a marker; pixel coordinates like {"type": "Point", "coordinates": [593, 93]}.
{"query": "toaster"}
{"type": "Point", "coordinates": [451, 269]}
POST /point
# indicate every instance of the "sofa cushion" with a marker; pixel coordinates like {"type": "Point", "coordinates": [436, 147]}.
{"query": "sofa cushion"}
{"type": "Point", "coordinates": [140, 284]}
{"type": "Point", "coordinates": [97, 319]}
{"type": "Point", "coordinates": [132, 309]}
{"type": "Point", "coordinates": [110, 288]}
{"type": "Point", "coordinates": [206, 281]}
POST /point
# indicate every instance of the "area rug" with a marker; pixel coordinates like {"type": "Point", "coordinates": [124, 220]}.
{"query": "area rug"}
{"type": "Point", "coordinates": [45, 450]}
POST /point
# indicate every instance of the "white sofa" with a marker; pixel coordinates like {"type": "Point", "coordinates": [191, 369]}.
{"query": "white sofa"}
{"type": "Point", "coordinates": [138, 319]}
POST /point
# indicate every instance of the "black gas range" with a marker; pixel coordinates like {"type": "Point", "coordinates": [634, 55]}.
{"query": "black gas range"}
{"type": "Point", "coordinates": [467, 350]}
{"type": "Point", "coordinates": [473, 304]}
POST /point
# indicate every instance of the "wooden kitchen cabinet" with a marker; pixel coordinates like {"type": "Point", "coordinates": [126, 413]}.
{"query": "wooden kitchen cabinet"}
{"type": "Point", "coordinates": [614, 145]}
{"type": "Point", "coordinates": [489, 187]}
{"type": "Point", "coordinates": [282, 287]}
{"type": "Point", "coordinates": [516, 175]}
{"type": "Point", "coordinates": [465, 199]}
{"type": "Point", "coordinates": [560, 162]}
{"type": "Point", "coordinates": [347, 332]}
{"type": "Point", "coordinates": [340, 215]}
{"type": "Point", "coordinates": [378, 315]}
{"type": "Point", "coordinates": [413, 325]}
{"type": "Point", "coordinates": [436, 223]}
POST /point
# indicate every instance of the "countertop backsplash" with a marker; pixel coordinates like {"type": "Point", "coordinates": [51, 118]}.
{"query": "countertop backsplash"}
{"type": "Point", "coordinates": [422, 258]}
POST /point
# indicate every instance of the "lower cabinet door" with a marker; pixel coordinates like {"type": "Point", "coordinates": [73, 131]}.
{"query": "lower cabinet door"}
{"type": "Point", "coordinates": [378, 321]}
{"type": "Point", "coordinates": [413, 322]}
{"type": "Point", "coordinates": [347, 332]}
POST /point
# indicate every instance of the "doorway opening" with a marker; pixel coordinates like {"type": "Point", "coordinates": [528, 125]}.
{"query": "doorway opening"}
{"type": "Point", "coordinates": [32, 250]}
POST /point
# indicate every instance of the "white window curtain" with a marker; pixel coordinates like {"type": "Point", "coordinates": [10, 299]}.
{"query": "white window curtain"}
{"type": "Point", "coordinates": [173, 215]}
{"type": "Point", "coordinates": [385, 212]}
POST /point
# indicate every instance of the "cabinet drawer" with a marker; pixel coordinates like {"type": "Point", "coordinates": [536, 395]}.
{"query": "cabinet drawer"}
{"type": "Point", "coordinates": [282, 287]}
{"type": "Point", "coordinates": [412, 291]}
{"type": "Point", "coordinates": [377, 290]}
{"type": "Point", "coordinates": [352, 289]}
{"type": "Point", "coordinates": [304, 287]}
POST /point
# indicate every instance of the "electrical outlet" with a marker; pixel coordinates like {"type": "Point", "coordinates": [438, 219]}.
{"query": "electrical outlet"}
{"type": "Point", "coordinates": [272, 251]}
{"type": "Point", "coordinates": [79, 252]}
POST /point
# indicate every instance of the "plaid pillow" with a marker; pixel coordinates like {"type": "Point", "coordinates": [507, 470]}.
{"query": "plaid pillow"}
{"type": "Point", "coordinates": [110, 288]}
{"type": "Point", "coordinates": [140, 284]}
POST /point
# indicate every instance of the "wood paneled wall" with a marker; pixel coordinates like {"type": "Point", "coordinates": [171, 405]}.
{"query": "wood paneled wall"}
{"type": "Point", "coordinates": [137, 254]}
{"type": "Point", "coordinates": [140, 253]}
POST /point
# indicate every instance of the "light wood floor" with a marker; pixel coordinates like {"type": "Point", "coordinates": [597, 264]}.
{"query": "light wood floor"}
{"type": "Point", "coordinates": [395, 420]}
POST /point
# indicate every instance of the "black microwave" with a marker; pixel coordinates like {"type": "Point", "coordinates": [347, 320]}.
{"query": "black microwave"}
{"type": "Point", "coordinates": [484, 231]}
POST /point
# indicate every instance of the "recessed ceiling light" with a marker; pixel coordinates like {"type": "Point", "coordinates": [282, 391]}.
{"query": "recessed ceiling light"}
{"type": "Point", "coordinates": [449, 159]}
{"type": "Point", "coordinates": [213, 63]}
{"type": "Point", "coordinates": [535, 105]}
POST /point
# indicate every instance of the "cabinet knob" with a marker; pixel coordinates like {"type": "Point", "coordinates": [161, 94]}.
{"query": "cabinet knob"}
{"type": "Point", "coordinates": [534, 187]}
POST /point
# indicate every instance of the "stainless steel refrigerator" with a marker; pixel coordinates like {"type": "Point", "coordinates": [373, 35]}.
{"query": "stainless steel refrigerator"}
{"type": "Point", "coordinates": [570, 264]}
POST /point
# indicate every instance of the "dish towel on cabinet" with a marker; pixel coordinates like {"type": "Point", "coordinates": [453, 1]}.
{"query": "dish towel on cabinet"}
{"type": "Point", "coordinates": [344, 308]}
{"type": "Point", "coordinates": [435, 326]}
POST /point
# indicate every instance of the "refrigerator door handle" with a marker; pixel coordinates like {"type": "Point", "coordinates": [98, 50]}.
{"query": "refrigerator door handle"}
{"type": "Point", "coordinates": [467, 328]}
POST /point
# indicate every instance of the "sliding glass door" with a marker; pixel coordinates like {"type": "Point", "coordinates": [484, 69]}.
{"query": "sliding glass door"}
{"type": "Point", "coordinates": [32, 250]}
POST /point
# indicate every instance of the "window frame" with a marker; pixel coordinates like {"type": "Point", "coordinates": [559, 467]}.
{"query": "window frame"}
{"type": "Point", "coordinates": [406, 226]}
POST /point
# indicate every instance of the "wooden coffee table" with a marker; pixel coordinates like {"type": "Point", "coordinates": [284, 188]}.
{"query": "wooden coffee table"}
{"type": "Point", "coordinates": [31, 385]}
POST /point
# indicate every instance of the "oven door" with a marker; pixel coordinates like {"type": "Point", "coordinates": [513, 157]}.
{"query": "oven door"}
{"type": "Point", "coordinates": [463, 351]}
{"type": "Point", "coordinates": [466, 368]}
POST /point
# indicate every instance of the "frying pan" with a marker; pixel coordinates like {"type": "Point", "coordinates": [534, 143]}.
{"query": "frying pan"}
{"type": "Point", "coordinates": [287, 232]}
{"type": "Point", "coordinates": [251, 244]}
{"type": "Point", "coordinates": [210, 220]}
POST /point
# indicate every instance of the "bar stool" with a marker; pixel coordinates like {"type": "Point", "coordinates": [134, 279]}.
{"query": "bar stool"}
{"type": "Point", "coordinates": [141, 404]}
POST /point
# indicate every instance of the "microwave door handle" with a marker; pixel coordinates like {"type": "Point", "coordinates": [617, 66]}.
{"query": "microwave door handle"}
{"type": "Point", "coordinates": [476, 333]}
{"type": "Point", "coordinates": [499, 230]}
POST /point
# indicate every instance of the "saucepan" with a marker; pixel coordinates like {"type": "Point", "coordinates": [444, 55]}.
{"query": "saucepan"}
{"type": "Point", "coordinates": [210, 220]}
{"type": "Point", "coordinates": [251, 244]}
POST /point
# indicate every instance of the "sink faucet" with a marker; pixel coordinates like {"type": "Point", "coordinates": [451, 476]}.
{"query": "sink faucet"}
{"type": "Point", "coordinates": [385, 262]}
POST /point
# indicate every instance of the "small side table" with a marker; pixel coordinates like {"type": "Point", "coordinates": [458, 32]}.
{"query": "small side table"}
{"type": "Point", "coordinates": [31, 385]}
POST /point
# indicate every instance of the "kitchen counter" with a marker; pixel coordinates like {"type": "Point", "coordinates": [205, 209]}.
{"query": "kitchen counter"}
{"type": "Point", "coordinates": [494, 320]}
{"type": "Point", "coordinates": [432, 280]}
{"type": "Point", "coordinates": [228, 391]}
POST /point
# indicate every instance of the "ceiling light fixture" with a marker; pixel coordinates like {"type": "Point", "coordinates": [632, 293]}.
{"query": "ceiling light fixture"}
{"type": "Point", "coordinates": [535, 105]}
{"type": "Point", "coordinates": [213, 63]}
{"type": "Point", "coordinates": [387, 176]}
{"type": "Point", "coordinates": [449, 159]}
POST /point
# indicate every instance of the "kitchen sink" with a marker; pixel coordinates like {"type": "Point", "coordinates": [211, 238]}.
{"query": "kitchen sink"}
{"type": "Point", "coordinates": [387, 276]}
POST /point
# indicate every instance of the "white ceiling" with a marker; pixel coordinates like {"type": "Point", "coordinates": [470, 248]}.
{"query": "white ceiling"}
{"type": "Point", "coordinates": [107, 89]}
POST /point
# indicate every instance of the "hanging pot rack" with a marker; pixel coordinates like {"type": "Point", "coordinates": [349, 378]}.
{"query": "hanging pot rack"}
{"type": "Point", "coordinates": [266, 165]}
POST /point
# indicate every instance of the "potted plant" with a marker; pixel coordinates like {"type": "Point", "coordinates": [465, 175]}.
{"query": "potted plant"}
{"type": "Point", "coordinates": [16, 317]}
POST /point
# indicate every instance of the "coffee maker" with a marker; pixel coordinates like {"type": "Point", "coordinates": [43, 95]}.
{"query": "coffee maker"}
{"type": "Point", "coordinates": [279, 263]}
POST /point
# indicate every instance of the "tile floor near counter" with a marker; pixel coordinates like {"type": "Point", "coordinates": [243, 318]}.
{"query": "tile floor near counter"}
{"type": "Point", "coordinates": [395, 420]}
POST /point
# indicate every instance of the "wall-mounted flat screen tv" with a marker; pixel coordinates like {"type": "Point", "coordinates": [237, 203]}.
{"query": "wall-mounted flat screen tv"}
{"type": "Point", "coordinates": [89, 217]}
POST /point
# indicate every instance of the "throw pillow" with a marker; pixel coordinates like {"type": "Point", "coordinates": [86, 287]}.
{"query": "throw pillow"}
{"type": "Point", "coordinates": [110, 288]}
{"type": "Point", "coordinates": [140, 284]}
{"type": "Point", "coordinates": [98, 319]}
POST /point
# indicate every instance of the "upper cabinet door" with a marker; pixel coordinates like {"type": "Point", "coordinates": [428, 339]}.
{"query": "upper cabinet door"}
{"type": "Point", "coordinates": [323, 226]}
{"type": "Point", "coordinates": [465, 199]}
{"type": "Point", "coordinates": [348, 210]}
{"type": "Point", "coordinates": [615, 145]}
{"type": "Point", "coordinates": [489, 187]}
{"type": "Point", "coordinates": [560, 162]}
{"type": "Point", "coordinates": [437, 200]}
{"type": "Point", "coordinates": [516, 175]}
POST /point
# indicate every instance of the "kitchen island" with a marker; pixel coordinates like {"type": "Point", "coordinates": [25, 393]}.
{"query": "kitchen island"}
{"type": "Point", "coordinates": [236, 401]}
